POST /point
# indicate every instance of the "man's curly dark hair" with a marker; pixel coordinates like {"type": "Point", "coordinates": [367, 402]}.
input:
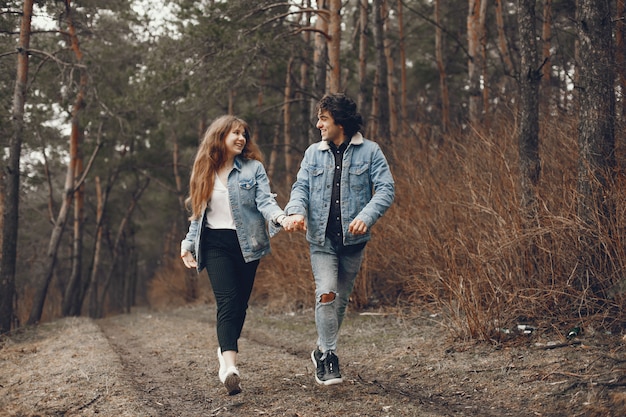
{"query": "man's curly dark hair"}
{"type": "Point", "coordinates": [343, 111]}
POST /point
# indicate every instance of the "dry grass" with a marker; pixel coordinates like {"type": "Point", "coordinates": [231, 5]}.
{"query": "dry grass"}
{"type": "Point", "coordinates": [455, 240]}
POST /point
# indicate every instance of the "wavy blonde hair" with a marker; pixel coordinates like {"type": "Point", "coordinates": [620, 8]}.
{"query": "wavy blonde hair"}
{"type": "Point", "coordinates": [212, 156]}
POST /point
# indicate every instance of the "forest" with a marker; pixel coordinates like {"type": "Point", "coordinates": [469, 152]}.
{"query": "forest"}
{"type": "Point", "coordinates": [502, 122]}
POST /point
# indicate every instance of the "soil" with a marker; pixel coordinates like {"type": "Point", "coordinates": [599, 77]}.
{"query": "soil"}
{"type": "Point", "coordinates": [162, 363]}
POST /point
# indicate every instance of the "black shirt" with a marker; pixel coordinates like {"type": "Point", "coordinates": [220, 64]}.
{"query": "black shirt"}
{"type": "Point", "coordinates": [334, 231]}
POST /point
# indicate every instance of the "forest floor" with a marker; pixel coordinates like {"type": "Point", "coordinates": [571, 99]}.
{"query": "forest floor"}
{"type": "Point", "coordinates": [162, 363]}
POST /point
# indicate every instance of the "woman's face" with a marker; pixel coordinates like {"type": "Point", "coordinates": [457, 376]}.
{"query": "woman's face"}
{"type": "Point", "coordinates": [235, 141]}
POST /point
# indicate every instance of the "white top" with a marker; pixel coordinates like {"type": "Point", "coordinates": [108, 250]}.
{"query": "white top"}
{"type": "Point", "coordinates": [218, 214]}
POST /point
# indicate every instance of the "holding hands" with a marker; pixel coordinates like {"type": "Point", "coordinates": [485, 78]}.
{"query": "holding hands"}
{"type": "Point", "coordinates": [293, 223]}
{"type": "Point", "coordinates": [296, 222]}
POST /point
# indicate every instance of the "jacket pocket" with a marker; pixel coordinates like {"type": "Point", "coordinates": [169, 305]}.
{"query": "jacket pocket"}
{"type": "Point", "coordinates": [359, 176]}
{"type": "Point", "coordinates": [247, 191]}
{"type": "Point", "coordinates": [316, 177]}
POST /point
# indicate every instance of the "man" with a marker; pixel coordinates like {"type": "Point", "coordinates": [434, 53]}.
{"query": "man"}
{"type": "Point", "coordinates": [343, 187]}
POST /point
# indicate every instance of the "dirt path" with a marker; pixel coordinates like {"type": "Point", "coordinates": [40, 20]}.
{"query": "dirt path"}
{"type": "Point", "coordinates": [163, 364]}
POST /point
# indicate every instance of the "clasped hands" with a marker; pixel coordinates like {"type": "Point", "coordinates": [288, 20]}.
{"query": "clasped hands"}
{"type": "Point", "coordinates": [293, 223]}
{"type": "Point", "coordinates": [296, 222]}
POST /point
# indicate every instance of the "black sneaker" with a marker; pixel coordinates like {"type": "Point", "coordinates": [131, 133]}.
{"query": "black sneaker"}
{"type": "Point", "coordinates": [332, 374]}
{"type": "Point", "coordinates": [320, 368]}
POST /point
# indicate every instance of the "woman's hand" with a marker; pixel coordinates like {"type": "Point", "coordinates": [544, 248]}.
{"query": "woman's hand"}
{"type": "Point", "coordinates": [294, 223]}
{"type": "Point", "coordinates": [188, 259]}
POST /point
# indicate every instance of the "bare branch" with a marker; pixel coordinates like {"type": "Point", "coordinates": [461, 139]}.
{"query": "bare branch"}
{"type": "Point", "coordinates": [55, 59]}
{"type": "Point", "coordinates": [80, 182]}
{"type": "Point", "coordinates": [324, 13]}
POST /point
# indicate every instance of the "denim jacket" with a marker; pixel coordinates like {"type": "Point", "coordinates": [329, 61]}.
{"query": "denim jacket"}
{"type": "Point", "coordinates": [252, 204]}
{"type": "Point", "coordinates": [367, 188]}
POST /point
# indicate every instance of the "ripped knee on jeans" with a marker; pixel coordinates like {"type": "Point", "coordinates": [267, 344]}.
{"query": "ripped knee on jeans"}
{"type": "Point", "coordinates": [327, 298]}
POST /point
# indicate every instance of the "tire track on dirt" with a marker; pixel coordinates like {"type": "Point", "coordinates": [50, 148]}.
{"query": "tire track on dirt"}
{"type": "Point", "coordinates": [169, 377]}
{"type": "Point", "coordinates": [169, 359]}
{"type": "Point", "coordinates": [392, 388]}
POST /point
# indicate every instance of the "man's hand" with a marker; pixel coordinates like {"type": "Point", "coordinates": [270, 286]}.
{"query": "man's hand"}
{"type": "Point", "coordinates": [294, 223]}
{"type": "Point", "coordinates": [188, 259]}
{"type": "Point", "coordinates": [357, 227]}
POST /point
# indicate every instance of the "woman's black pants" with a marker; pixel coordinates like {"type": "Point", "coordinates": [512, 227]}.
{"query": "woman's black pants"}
{"type": "Point", "coordinates": [232, 280]}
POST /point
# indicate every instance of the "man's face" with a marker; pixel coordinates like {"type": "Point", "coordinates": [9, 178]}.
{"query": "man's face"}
{"type": "Point", "coordinates": [329, 130]}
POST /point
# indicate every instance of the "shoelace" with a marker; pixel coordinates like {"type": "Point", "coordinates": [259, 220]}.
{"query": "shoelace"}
{"type": "Point", "coordinates": [331, 364]}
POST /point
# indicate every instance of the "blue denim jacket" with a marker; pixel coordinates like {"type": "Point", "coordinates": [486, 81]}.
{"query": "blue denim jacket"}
{"type": "Point", "coordinates": [252, 204]}
{"type": "Point", "coordinates": [367, 188]}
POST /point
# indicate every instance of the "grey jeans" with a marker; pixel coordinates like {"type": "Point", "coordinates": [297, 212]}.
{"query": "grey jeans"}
{"type": "Point", "coordinates": [335, 268]}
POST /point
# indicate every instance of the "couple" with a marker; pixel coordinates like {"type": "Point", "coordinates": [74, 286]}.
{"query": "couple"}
{"type": "Point", "coordinates": [343, 187]}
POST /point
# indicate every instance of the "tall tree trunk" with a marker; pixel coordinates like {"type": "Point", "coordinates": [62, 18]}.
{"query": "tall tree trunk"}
{"type": "Point", "coordinates": [363, 30]}
{"type": "Point", "coordinates": [620, 47]}
{"type": "Point", "coordinates": [482, 28]}
{"type": "Point", "coordinates": [372, 126]}
{"type": "Point", "coordinates": [320, 58]}
{"type": "Point", "coordinates": [391, 85]}
{"type": "Point", "coordinates": [546, 37]}
{"type": "Point", "coordinates": [191, 276]}
{"type": "Point", "coordinates": [529, 79]}
{"type": "Point", "coordinates": [271, 168]}
{"type": "Point", "coordinates": [383, 135]}
{"type": "Point", "coordinates": [231, 100]}
{"type": "Point", "coordinates": [404, 111]}
{"type": "Point", "coordinates": [549, 93]}
{"type": "Point", "coordinates": [72, 299]}
{"type": "Point", "coordinates": [334, 46]}
{"type": "Point", "coordinates": [596, 135]}
{"type": "Point", "coordinates": [259, 104]}
{"type": "Point", "coordinates": [502, 43]}
{"type": "Point", "coordinates": [130, 279]}
{"type": "Point", "coordinates": [473, 64]}
{"type": "Point", "coordinates": [92, 291]}
{"type": "Point", "coordinates": [11, 176]}
{"type": "Point", "coordinates": [75, 135]}
{"type": "Point", "coordinates": [287, 151]}
{"type": "Point", "coordinates": [305, 115]}
{"type": "Point", "coordinates": [506, 86]}
{"type": "Point", "coordinates": [443, 83]}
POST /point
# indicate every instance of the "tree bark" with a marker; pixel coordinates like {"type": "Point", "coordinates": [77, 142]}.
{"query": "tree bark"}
{"type": "Point", "coordinates": [363, 31]}
{"type": "Point", "coordinates": [546, 37]}
{"type": "Point", "coordinates": [320, 59]}
{"type": "Point", "coordinates": [75, 136]}
{"type": "Point", "coordinates": [482, 30]}
{"type": "Point", "coordinates": [92, 290]}
{"type": "Point", "coordinates": [305, 116]}
{"type": "Point", "coordinates": [503, 45]}
{"type": "Point", "coordinates": [620, 47]}
{"type": "Point", "coordinates": [287, 124]}
{"type": "Point", "coordinates": [596, 135]}
{"type": "Point", "coordinates": [404, 111]}
{"type": "Point", "coordinates": [443, 82]}
{"type": "Point", "coordinates": [11, 176]}
{"type": "Point", "coordinates": [334, 46]}
{"type": "Point", "coordinates": [473, 63]}
{"type": "Point", "coordinates": [391, 86]}
{"type": "Point", "coordinates": [381, 91]}
{"type": "Point", "coordinates": [529, 79]}
{"type": "Point", "coordinates": [72, 299]}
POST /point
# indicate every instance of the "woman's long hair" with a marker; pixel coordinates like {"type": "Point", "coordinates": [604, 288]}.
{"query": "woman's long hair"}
{"type": "Point", "coordinates": [211, 156]}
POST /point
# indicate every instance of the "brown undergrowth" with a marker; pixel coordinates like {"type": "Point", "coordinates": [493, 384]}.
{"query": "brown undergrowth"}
{"type": "Point", "coordinates": [455, 241]}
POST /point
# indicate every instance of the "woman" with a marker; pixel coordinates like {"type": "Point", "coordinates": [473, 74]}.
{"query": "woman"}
{"type": "Point", "coordinates": [230, 202]}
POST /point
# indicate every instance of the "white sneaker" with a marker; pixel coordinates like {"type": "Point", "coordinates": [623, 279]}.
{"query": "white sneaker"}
{"type": "Point", "coordinates": [229, 377]}
{"type": "Point", "coordinates": [222, 371]}
{"type": "Point", "coordinates": [232, 381]}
